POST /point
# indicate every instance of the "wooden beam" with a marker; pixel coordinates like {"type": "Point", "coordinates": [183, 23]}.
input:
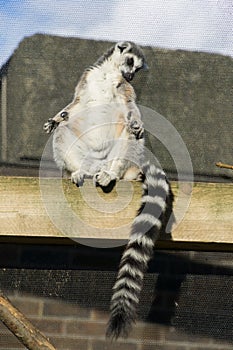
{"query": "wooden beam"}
{"type": "Point", "coordinates": [21, 327]}
{"type": "Point", "coordinates": [55, 208]}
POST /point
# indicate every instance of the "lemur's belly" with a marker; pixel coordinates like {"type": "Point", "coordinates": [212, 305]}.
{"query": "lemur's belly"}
{"type": "Point", "coordinates": [98, 125]}
{"type": "Point", "coordinates": [91, 135]}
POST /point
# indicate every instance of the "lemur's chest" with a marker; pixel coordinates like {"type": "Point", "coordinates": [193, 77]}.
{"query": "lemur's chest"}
{"type": "Point", "coordinates": [103, 87]}
{"type": "Point", "coordinates": [104, 101]}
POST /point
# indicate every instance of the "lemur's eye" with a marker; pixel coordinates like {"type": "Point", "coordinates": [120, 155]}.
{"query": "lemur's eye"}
{"type": "Point", "coordinates": [130, 61]}
{"type": "Point", "coordinates": [64, 114]}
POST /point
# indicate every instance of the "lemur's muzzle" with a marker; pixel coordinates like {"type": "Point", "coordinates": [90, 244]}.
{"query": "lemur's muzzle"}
{"type": "Point", "coordinates": [128, 76]}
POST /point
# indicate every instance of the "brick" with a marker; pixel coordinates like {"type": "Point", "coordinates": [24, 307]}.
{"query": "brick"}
{"type": "Point", "coordinates": [204, 347]}
{"type": "Point", "coordinates": [86, 328]}
{"type": "Point", "coordinates": [148, 332]}
{"type": "Point", "coordinates": [8, 341]}
{"type": "Point", "coordinates": [165, 347]}
{"type": "Point", "coordinates": [175, 335]}
{"type": "Point", "coordinates": [69, 343]}
{"type": "Point", "coordinates": [62, 309]}
{"type": "Point", "coordinates": [48, 326]}
{"type": "Point", "coordinates": [27, 306]}
{"type": "Point", "coordinates": [99, 315]}
{"type": "Point", "coordinates": [108, 345]}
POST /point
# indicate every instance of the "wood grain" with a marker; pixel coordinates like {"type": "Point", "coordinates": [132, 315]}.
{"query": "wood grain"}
{"type": "Point", "coordinates": [57, 208]}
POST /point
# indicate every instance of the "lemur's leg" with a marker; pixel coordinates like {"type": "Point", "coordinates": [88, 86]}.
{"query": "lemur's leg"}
{"type": "Point", "coordinates": [120, 159]}
{"type": "Point", "coordinates": [69, 154]}
{"type": "Point", "coordinates": [110, 173]}
{"type": "Point", "coordinates": [53, 123]}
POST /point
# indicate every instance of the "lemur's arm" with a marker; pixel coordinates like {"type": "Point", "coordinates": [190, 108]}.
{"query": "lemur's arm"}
{"type": "Point", "coordinates": [133, 118]}
{"type": "Point", "coordinates": [135, 125]}
{"type": "Point", "coordinates": [63, 115]}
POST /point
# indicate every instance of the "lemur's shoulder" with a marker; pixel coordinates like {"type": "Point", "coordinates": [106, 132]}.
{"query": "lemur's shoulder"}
{"type": "Point", "coordinates": [81, 84]}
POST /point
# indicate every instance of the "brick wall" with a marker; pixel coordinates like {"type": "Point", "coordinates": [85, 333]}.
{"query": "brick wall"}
{"type": "Point", "coordinates": [70, 328]}
{"type": "Point", "coordinates": [186, 302]}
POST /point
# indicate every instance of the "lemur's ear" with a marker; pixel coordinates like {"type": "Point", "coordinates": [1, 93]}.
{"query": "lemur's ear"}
{"type": "Point", "coordinates": [122, 46]}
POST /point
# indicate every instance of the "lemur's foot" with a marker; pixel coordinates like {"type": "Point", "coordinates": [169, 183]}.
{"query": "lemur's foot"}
{"type": "Point", "coordinates": [77, 177]}
{"type": "Point", "coordinates": [50, 126]}
{"type": "Point", "coordinates": [135, 126]}
{"type": "Point", "coordinates": [104, 177]}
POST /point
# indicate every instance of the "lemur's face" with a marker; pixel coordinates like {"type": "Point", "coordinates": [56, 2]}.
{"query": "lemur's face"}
{"type": "Point", "coordinates": [130, 62]}
{"type": "Point", "coordinates": [130, 66]}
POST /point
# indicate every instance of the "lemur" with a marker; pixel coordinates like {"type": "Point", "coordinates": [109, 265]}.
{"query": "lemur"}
{"type": "Point", "coordinates": [100, 135]}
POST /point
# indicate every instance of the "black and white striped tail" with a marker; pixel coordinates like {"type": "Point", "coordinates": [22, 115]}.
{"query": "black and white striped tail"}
{"type": "Point", "coordinates": [145, 230]}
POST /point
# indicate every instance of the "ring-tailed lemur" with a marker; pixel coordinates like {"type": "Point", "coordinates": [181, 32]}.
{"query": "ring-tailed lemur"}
{"type": "Point", "coordinates": [100, 134]}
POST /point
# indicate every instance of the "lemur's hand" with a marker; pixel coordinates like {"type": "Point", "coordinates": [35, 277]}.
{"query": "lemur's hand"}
{"type": "Point", "coordinates": [53, 123]}
{"type": "Point", "coordinates": [135, 125]}
{"type": "Point", "coordinates": [50, 126]}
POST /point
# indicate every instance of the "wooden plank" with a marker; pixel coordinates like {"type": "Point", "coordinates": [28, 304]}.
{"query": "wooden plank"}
{"type": "Point", "coordinates": [55, 208]}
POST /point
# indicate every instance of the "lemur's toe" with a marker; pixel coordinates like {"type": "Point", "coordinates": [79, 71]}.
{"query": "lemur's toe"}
{"type": "Point", "coordinates": [103, 178]}
{"type": "Point", "coordinates": [77, 177]}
